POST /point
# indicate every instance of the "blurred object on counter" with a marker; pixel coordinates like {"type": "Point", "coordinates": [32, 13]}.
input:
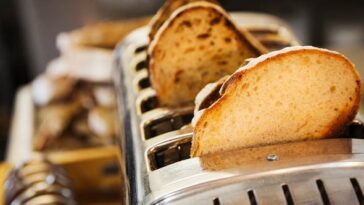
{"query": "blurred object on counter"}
{"type": "Point", "coordinates": [83, 118]}
{"type": "Point", "coordinates": [93, 171]}
{"type": "Point", "coordinates": [46, 89]}
{"type": "Point", "coordinates": [93, 64]}
{"type": "Point", "coordinates": [74, 98]}
{"type": "Point", "coordinates": [102, 122]}
{"type": "Point", "coordinates": [38, 181]}
{"type": "Point", "coordinates": [69, 111]}
{"type": "Point", "coordinates": [103, 34]}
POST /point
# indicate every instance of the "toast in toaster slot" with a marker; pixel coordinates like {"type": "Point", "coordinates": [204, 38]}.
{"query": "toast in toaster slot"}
{"type": "Point", "coordinates": [166, 154]}
{"type": "Point", "coordinates": [141, 80]}
{"type": "Point", "coordinates": [321, 86]}
{"type": "Point", "coordinates": [166, 123]}
{"type": "Point", "coordinates": [197, 45]}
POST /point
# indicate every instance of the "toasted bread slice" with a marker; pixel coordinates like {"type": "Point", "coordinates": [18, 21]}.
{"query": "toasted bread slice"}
{"type": "Point", "coordinates": [298, 93]}
{"type": "Point", "coordinates": [165, 12]}
{"type": "Point", "coordinates": [197, 45]}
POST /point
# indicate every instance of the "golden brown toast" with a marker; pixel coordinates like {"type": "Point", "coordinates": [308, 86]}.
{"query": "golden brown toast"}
{"type": "Point", "coordinates": [199, 44]}
{"type": "Point", "coordinates": [298, 93]}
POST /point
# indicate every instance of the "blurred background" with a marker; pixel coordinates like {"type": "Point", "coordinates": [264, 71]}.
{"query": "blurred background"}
{"type": "Point", "coordinates": [28, 29]}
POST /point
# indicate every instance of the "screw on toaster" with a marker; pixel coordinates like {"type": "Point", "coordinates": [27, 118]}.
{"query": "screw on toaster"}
{"type": "Point", "coordinates": [272, 157]}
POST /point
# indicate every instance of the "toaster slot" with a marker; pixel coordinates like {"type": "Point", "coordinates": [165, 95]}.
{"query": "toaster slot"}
{"type": "Point", "coordinates": [354, 130]}
{"type": "Point", "coordinates": [170, 153]}
{"type": "Point", "coordinates": [257, 32]}
{"type": "Point", "coordinates": [140, 49]}
{"type": "Point", "coordinates": [166, 124]}
{"type": "Point", "coordinates": [275, 44]}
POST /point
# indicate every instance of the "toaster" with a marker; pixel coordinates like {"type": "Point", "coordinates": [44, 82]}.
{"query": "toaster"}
{"type": "Point", "coordinates": [155, 142]}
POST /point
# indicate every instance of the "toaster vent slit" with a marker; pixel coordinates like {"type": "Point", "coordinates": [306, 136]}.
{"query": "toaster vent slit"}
{"type": "Point", "coordinates": [168, 155]}
{"type": "Point", "coordinates": [358, 191]}
{"type": "Point", "coordinates": [144, 83]}
{"type": "Point", "coordinates": [141, 65]}
{"type": "Point", "coordinates": [166, 124]}
{"type": "Point", "coordinates": [216, 201]}
{"type": "Point", "coordinates": [287, 195]}
{"type": "Point", "coordinates": [323, 193]}
{"type": "Point", "coordinates": [252, 198]}
{"type": "Point", "coordinates": [140, 49]}
{"type": "Point", "coordinates": [148, 104]}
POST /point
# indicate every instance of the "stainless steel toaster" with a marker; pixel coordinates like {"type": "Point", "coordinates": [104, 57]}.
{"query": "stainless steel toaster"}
{"type": "Point", "coordinates": [155, 145]}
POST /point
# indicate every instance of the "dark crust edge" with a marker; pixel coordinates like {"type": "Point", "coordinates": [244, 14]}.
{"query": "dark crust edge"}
{"type": "Point", "coordinates": [163, 11]}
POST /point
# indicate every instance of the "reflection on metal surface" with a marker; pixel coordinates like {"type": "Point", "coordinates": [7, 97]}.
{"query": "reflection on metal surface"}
{"type": "Point", "coordinates": [38, 181]}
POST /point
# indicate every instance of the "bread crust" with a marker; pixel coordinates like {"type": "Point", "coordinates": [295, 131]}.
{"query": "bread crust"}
{"type": "Point", "coordinates": [165, 11]}
{"type": "Point", "coordinates": [334, 127]}
{"type": "Point", "coordinates": [209, 94]}
{"type": "Point", "coordinates": [244, 34]}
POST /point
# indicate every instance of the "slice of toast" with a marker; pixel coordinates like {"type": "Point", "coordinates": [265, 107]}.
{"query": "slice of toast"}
{"type": "Point", "coordinates": [165, 12]}
{"type": "Point", "coordinates": [197, 45]}
{"type": "Point", "coordinates": [298, 93]}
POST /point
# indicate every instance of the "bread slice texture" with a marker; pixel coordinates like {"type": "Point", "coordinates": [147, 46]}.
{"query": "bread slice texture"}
{"type": "Point", "coordinates": [199, 44]}
{"type": "Point", "coordinates": [295, 94]}
{"type": "Point", "coordinates": [165, 12]}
